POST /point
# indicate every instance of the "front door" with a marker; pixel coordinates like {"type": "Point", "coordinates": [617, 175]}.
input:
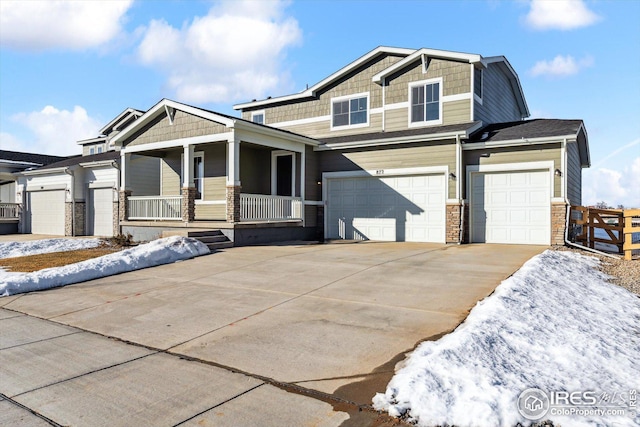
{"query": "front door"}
{"type": "Point", "coordinates": [284, 175]}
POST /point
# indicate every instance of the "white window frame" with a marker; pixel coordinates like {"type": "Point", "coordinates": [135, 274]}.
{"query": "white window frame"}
{"type": "Point", "coordinates": [349, 98]}
{"type": "Point", "coordinates": [473, 85]}
{"type": "Point", "coordinates": [274, 171]}
{"type": "Point", "coordinates": [257, 113]}
{"type": "Point", "coordinates": [424, 123]}
{"type": "Point", "coordinates": [92, 150]}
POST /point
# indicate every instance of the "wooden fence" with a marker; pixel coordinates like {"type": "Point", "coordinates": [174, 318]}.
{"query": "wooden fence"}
{"type": "Point", "coordinates": [609, 230]}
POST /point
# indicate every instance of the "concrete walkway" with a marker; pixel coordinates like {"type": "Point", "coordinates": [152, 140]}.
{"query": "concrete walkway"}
{"type": "Point", "coordinates": [264, 335]}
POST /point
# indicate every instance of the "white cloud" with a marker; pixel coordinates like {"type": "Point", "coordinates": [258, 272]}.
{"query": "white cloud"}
{"type": "Point", "coordinates": [559, 15]}
{"type": "Point", "coordinates": [233, 53]}
{"type": "Point", "coordinates": [561, 66]}
{"type": "Point", "coordinates": [51, 131]}
{"type": "Point", "coordinates": [616, 187]}
{"type": "Point", "coordinates": [46, 24]}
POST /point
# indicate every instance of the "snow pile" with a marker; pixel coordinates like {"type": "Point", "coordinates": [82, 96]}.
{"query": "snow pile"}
{"type": "Point", "coordinates": [16, 249]}
{"type": "Point", "coordinates": [157, 252]}
{"type": "Point", "coordinates": [556, 325]}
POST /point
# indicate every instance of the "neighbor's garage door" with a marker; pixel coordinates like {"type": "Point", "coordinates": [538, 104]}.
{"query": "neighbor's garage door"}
{"type": "Point", "coordinates": [100, 212]}
{"type": "Point", "coordinates": [511, 207]}
{"type": "Point", "coordinates": [402, 208]}
{"type": "Point", "coordinates": [46, 212]}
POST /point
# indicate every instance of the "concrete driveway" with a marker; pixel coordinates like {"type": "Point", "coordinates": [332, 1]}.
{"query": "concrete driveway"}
{"type": "Point", "coordinates": [263, 335]}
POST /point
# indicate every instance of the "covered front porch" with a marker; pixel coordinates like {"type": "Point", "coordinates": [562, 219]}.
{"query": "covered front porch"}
{"type": "Point", "coordinates": [237, 172]}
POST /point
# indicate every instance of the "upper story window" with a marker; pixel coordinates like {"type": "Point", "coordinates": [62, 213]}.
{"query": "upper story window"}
{"type": "Point", "coordinates": [350, 111]}
{"type": "Point", "coordinates": [257, 117]}
{"type": "Point", "coordinates": [426, 102]}
{"type": "Point", "coordinates": [92, 150]}
{"type": "Point", "coordinates": [99, 149]}
{"type": "Point", "coordinates": [477, 82]}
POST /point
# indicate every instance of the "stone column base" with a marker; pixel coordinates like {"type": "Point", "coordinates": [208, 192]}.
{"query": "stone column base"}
{"type": "Point", "coordinates": [233, 203]}
{"type": "Point", "coordinates": [188, 204]}
{"type": "Point", "coordinates": [123, 208]}
{"type": "Point", "coordinates": [74, 219]}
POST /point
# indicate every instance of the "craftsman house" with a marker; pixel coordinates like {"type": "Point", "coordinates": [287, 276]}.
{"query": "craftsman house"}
{"type": "Point", "coordinates": [400, 145]}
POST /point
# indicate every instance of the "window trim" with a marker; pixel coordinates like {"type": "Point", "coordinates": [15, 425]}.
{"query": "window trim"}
{"type": "Point", "coordinates": [424, 83]}
{"type": "Point", "coordinates": [257, 113]}
{"type": "Point", "coordinates": [199, 154]}
{"type": "Point", "coordinates": [195, 154]}
{"type": "Point", "coordinates": [349, 98]}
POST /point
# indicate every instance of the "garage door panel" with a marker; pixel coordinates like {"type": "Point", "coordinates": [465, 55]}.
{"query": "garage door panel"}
{"type": "Point", "coordinates": [47, 212]}
{"type": "Point", "coordinates": [511, 207]}
{"type": "Point", "coordinates": [404, 208]}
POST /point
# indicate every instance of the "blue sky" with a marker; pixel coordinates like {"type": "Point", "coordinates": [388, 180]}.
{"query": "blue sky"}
{"type": "Point", "coordinates": [68, 68]}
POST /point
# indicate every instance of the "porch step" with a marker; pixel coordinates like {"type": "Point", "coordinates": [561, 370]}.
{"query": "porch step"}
{"type": "Point", "coordinates": [214, 239]}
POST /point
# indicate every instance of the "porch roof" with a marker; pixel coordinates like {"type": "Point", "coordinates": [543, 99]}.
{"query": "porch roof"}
{"type": "Point", "coordinates": [168, 107]}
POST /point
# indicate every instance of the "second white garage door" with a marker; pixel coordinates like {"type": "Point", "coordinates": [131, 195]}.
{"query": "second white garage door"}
{"type": "Point", "coordinates": [397, 208]}
{"type": "Point", "coordinates": [46, 212]}
{"type": "Point", "coordinates": [511, 207]}
{"type": "Point", "coordinates": [100, 212]}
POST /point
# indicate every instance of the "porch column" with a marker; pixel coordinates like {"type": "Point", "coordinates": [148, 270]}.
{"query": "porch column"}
{"type": "Point", "coordinates": [188, 186]}
{"type": "Point", "coordinates": [124, 165]}
{"type": "Point", "coordinates": [234, 185]}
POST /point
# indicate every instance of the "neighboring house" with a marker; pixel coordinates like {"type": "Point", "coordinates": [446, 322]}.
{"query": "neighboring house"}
{"type": "Point", "coordinates": [12, 162]}
{"type": "Point", "coordinates": [79, 195]}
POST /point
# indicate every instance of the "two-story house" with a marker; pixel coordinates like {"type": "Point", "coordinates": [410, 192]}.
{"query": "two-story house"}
{"type": "Point", "coordinates": [400, 145]}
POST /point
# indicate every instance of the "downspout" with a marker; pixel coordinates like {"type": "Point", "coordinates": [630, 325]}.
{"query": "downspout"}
{"type": "Point", "coordinates": [73, 201]}
{"type": "Point", "coordinates": [586, 248]}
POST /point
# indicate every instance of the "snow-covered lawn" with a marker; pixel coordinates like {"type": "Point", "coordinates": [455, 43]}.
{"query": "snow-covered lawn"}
{"type": "Point", "coordinates": [157, 252]}
{"type": "Point", "coordinates": [555, 325]}
{"type": "Point", "coordinates": [34, 247]}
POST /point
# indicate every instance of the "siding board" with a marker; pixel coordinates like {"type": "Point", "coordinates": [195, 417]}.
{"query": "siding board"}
{"type": "Point", "coordinates": [574, 174]}
{"type": "Point", "coordinates": [498, 99]}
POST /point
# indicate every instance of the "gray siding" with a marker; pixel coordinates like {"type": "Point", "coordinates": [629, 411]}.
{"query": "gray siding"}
{"type": "Point", "coordinates": [413, 155]}
{"type": "Point", "coordinates": [144, 175]}
{"type": "Point", "coordinates": [574, 174]}
{"type": "Point", "coordinates": [518, 155]}
{"type": "Point", "coordinates": [498, 99]}
{"type": "Point", "coordinates": [184, 126]}
{"type": "Point", "coordinates": [255, 169]}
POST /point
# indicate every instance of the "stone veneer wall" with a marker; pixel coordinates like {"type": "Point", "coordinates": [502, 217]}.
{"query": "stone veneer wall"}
{"type": "Point", "coordinates": [558, 223]}
{"type": "Point", "coordinates": [233, 203]}
{"type": "Point", "coordinates": [123, 208]}
{"type": "Point", "coordinates": [116, 218]}
{"type": "Point", "coordinates": [453, 223]}
{"type": "Point", "coordinates": [78, 215]}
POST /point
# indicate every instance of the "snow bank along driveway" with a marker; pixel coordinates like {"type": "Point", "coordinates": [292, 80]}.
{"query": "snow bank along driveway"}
{"type": "Point", "coordinates": [555, 325]}
{"type": "Point", "coordinates": [157, 252]}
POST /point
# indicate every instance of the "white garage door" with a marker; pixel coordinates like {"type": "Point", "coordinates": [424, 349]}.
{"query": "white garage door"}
{"type": "Point", "coordinates": [100, 212]}
{"type": "Point", "coordinates": [511, 207]}
{"type": "Point", "coordinates": [402, 208]}
{"type": "Point", "coordinates": [46, 212]}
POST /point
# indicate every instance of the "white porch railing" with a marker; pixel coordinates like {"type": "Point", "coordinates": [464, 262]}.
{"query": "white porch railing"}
{"type": "Point", "coordinates": [155, 207]}
{"type": "Point", "coordinates": [261, 207]}
{"type": "Point", "coordinates": [9, 210]}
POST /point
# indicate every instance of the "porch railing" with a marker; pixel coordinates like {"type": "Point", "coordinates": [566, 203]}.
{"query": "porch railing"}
{"type": "Point", "coordinates": [9, 210]}
{"type": "Point", "coordinates": [261, 207]}
{"type": "Point", "coordinates": [155, 207]}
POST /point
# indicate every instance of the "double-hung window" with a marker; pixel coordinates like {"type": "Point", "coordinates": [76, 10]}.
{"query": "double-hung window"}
{"type": "Point", "coordinates": [350, 111]}
{"type": "Point", "coordinates": [426, 102]}
{"type": "Point", "coordinates": [257, 117]}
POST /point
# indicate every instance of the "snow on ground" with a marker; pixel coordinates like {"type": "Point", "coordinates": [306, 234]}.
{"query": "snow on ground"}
{"type": "Point", "coordinates": [555, 325]}
{"type": "Point", "coordinates": [157, 252]}
{"type": "Point", "coordinates": [34, 247]}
